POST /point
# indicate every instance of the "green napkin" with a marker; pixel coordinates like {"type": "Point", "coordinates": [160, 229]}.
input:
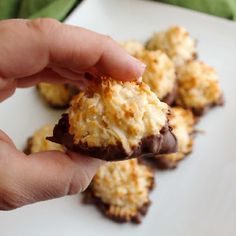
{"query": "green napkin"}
{"type": "Point", "coordinates": [222, 8]}
{"type": "Point", "coordinates": [57, 9]}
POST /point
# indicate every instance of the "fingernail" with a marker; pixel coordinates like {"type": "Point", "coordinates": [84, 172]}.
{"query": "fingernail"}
{"type": "Point", "coordinates": [141, 67]}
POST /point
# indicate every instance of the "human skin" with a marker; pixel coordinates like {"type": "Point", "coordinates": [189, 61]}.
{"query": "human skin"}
{"type": "Point", "coordinates": [45, 50]}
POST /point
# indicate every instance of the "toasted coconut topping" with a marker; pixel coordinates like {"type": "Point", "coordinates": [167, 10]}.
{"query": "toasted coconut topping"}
{"type": "Point", "coordinates": [124, 186]}
{"type": "Point", "coordinates": [160, 72]}
{"type": "Point", "coordinates": [198, 85]}
{"type": "Point", "coordinates": [116, 112]}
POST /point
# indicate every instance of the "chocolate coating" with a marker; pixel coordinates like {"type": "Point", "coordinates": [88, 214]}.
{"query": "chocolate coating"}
{"type": "Point", "coordinates": [201, 111]}
{"type": "Point", "coordinates": [150, 146]}
{"type": "Point", "coordinates": [163, 163]}
{"type": "Point", "coordinates": [170, 97]}
{"type": "Point", "coordinates": [27, 149]}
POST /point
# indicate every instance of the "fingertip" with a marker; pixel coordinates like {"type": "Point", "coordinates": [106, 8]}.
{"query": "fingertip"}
{"type": "Point", "coordinates": [138, 69]}
{"type": "Point", "coordinates": [128, 69]}
{"type": "Point", "coordinates": [113, 61]}
{"type": "Point", "coordinates": [87, 168]}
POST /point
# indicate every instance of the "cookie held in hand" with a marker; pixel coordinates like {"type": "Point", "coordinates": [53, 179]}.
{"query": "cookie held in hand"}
{"type": "Point", "coordinates": [116, 120]}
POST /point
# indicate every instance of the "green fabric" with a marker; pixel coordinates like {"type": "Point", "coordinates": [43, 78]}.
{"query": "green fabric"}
{"type": "Point", "coordinates": [222, 8]}
{"type": "Point", "coordinates": [57, 9]}
{"type": "Point", "coordinates": [8, 8]}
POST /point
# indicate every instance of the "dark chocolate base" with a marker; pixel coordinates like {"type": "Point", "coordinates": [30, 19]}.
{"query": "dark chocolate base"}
{"type": "Point", "coordinates": [170, 97]}
{"type": "Point", "coordinates": [27, 149]}
{"type": "Point", "coordinates": [199, 112]}
{"type": "Point", "coordinates": [150, 146]}
{"type": "Point", "coordinates": [162, 163]}
{"type": "Point", "coordinates": [89, 198]}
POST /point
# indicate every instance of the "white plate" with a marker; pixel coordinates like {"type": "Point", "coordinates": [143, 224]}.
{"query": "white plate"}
{"type": "Point", "coordinates": [199, 198]}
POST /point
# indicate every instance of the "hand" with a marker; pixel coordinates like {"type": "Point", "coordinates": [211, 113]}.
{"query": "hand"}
{"type": "Point", "coordinates": [45, 50]}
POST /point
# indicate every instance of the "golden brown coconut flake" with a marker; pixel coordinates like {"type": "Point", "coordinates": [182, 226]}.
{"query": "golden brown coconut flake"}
{"type": "Point", "coordinates": [159, 74]}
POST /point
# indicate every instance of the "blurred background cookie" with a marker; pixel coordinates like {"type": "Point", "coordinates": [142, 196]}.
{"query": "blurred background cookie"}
{"type": "Point", "coordinates": [159, 74]}
{"type": "Point", "coordinates": [176, 43]}
{"type": "Point", "coordinates": [133, 47]}
{"type": "Point", "coordinates": [182, 121]}
{"type": "Point", "coordinates": [38, 143]}
{"type": "Point", "coordinates": [121, 190]}
{"type": "Point", "coordinates": [57, 95]}
{"type": "Point", "coordinates": [198, 87]}
{"type": "Point", "coordinates": [116, 121]}
{"type": "Point", "coordinates": [160, 70]}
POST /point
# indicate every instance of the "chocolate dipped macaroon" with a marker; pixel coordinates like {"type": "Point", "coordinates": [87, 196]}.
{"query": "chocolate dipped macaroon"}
{"type": "Point", "coordinates": [198, 87]}
{"type": "Point", "coordinates": [121, 189]}
{"type": "Point", "coordinates": [183, 123]}
{"type": "Point", "coordinates": [176, 42]}
{"type": "Point", "coordinates": [116, 120]}
{"type": "Point", "coordinates": [160, 74]}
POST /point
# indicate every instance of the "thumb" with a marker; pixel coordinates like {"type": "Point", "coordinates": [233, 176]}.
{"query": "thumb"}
{"type": "Point", "coordinates": [41, 176]}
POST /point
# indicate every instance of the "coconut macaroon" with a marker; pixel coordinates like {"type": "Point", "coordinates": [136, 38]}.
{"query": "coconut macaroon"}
{"type": "Point", "coordinates": [176, 43]}
{"type": "Point", "coordinates": [198, 87]}
{"type": "Point", "coordinates": [159, 74]}
{"type": "Point", "coordinates": [134, 48]}
{"type": "Point", "coordinates": [182, 121]}
{"type": "Point", "coordinates": [57, 95]}
{"type": "Point", "coordinates": [116, 120]}
{"type": "Point", "coordinates": [121, 190]}
{"type": "Point", "coordinates": [38, 143]}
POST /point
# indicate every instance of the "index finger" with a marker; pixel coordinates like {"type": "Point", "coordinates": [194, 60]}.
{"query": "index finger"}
{"type": "Point", "coordinates": [27, 47]}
